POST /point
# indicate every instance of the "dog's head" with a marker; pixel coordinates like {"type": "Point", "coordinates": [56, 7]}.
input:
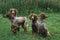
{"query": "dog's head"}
{"type": "Point", "coordinates": [9, 16]}
{"type": "Point", "coordinates": [33, 16]}
{"type": "Point", "coordinates": [43, 16]}
{"type": "Point", "coordinates": [13, 11]}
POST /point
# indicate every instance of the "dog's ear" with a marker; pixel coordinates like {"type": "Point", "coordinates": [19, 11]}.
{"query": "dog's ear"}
{"type": "Point", "coordinates": [35, 16]}
{"type": "Point", "coordinates": [16, 10]}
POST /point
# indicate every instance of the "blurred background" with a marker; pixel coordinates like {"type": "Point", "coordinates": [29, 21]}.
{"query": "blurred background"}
{"type": "Point", "coordinates": [25, 7]}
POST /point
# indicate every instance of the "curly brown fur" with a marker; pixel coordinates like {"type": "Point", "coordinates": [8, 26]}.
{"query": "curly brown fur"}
{"type": "Point", "coordinates": [16, 22]}
{"type": "Point", "coordinates": [34, 18]}
{"type": "Point", "coordinates": [13, 11]}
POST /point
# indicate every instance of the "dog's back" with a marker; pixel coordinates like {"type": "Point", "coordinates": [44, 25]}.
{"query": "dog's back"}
{"type": "Point", "coordinates": [19, 20]}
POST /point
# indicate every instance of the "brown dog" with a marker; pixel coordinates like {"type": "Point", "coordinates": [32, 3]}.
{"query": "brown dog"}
{"type": "Point", "coordinates": [39, 27]}
{"type": "Point", "coordinates": [42, 29]}
{"type": "Point", "coordinates": [34, 18]}
{"type": "Point", "coordinates": [16, 22]}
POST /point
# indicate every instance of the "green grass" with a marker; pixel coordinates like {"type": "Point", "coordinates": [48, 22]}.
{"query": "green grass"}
{"type": "Point", "coordinates": [53, 24]}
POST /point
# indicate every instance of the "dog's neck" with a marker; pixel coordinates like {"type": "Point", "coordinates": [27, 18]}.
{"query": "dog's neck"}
{"type": "Point", "coordinates": [12, 19]}
{"type": "Point", "coordinates": [34, 21]}
{"type": "Point", "coordinates": [41, 20]}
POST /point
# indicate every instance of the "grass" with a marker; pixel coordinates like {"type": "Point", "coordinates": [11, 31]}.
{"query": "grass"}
{"type": "Point", "coordinates": [53, 24]}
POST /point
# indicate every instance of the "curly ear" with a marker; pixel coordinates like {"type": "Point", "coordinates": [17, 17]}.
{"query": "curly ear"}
{"type": "Point", "coordinates": [36, 17]}
{"type": "Point", "coordinates": [16, 11]}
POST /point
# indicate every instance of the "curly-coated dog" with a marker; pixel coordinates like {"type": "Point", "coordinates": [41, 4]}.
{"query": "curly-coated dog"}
{"type": "Point", "coordinates": [33, 18]}
{"type": "Point", "coordinates": [42, 29]}
{"type": "Point", "coordinates": [39, 27]}
{"type": "Point", "coordinates": [16, 22]}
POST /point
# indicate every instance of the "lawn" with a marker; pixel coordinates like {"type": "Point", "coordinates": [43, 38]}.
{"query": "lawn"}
{"type": "Point", "coordinates": [53, 24]}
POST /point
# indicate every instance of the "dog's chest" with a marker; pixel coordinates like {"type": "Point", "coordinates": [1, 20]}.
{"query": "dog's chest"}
{"type": "Point", "coordinates": [42, 25]}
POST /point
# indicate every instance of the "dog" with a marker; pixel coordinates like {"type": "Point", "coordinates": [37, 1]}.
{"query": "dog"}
{"type": "Point", "coordinates": [42, 29]}
{"type": "Point", "coordinates": [33, 18]}
{"type": "Point", "coordinates": [16, 22]}
{"type": "Point", "coordinates": [39, 27]}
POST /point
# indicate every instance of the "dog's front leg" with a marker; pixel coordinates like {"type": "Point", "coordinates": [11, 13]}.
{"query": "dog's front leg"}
{"type": "Point", "coordinates": [13, 29]}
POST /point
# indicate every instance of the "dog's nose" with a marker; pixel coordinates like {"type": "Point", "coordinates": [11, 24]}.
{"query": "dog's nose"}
{"type": "Point", "coordinates": [13, 12]}
{"type": "Point", "coordinates": [32, 17]}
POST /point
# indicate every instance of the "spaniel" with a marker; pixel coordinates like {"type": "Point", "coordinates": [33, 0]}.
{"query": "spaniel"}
{"type": "Point", "coordinates": [39, 27]}
{"type": "Point", "coordinates": [42, 29]}
{"type": "Point", "coordinates": [16, 22]}
{"type": "Point", "coordinates": [33, 18]}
